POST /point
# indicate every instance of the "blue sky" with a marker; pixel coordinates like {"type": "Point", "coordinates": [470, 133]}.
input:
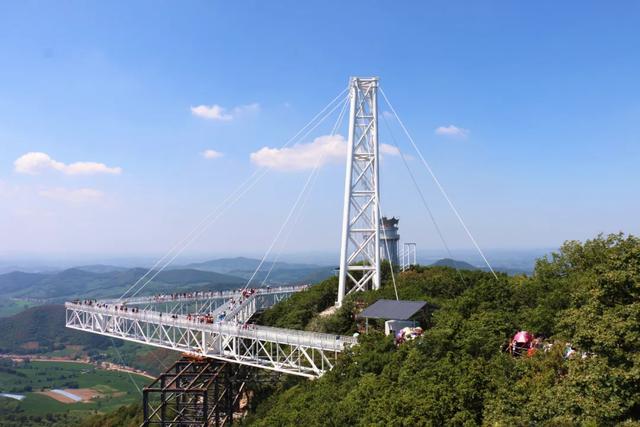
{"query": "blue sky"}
{"type": "Point", "coordinates": [548, 94]}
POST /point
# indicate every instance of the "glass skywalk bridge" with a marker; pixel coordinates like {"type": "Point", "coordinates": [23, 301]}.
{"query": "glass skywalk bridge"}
{"type": "Point", "coordinates": [213, 325]}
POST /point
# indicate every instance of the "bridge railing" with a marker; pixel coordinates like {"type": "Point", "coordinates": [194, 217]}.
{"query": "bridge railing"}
{"type": "Point", "coordinates": [200, 295]}
{"type": "Point", "coordinates": [279, 335]}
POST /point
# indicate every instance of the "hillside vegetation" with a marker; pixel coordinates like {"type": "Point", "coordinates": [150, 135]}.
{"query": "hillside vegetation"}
{"type": "Point", "coordinates": [113, 389]}
{"type": "Point", "coordinates": [457, 374]}
{"type": "Point", "coordinates": [41, 331]}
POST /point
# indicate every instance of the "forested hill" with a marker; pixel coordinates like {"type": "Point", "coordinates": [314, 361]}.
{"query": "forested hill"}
{"type": "Point", "coordinates": [41, 329]}
{"type": "Point", "coordinates": [448, 262]}
{"type": "Point", "coordinates": [457, 373]}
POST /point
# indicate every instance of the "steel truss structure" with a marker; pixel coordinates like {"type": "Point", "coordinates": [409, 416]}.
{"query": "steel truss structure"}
{"type": "Point", "coordinates": [408, 256]}
{"type": "Point", "coordinates": [290, 351]}
{"type": "Point", "coordinates": [195, 392]}
{"type": "Point", "coordinates": [359, 250]}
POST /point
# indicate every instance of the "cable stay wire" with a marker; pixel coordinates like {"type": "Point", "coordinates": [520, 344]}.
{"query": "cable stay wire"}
{"type": "Point", "coordinates": [293, 209]}
{"type": "Point", "coordinates": [287, 236]}
{"type": "Point", "coordinates": [283, 226]}
{"type": "Point", "coordinates": [298, 216]}
{"type": "Point", "coordinates": [422, 196]}
{"type": "Point", "coordinates": [206, 221]}
{"type": "Point", "coordinates": [196, 236]}
{"type": "Point", "coordinates": [185, 239]}
{"type": "Point", "coordinates": [258, 174]}
{"type": "Point", "coordinates": [125, 365]}
{"type": "Point", "coordinates": [437, 182]}
{"type": "Point", "coordinates": [226, 206]}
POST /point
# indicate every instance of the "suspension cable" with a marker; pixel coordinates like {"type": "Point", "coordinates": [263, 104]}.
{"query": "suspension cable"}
{"type": "Point", "coordinates": [122, 362]}
{"type": "Point", "coordinates": [422, 197]}
{"type": "Point", "coordinates": [294, 207]}
{"type": "Point", "coordinates": [185, 241]}
{"type": "Point", "coordinates": [337, 124]}
{"type": "Point", "coordinates": [437, 182]}
{"type": "Point", "coordinates": [284, 224]}
{"type": "Point", "coordinates": [226, 207]}
{"type": "Point", "coordinates": [242, 189]}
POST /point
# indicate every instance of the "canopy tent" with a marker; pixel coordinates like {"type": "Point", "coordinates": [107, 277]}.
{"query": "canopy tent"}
{"type": "Point", "coordinates": [523, 337]}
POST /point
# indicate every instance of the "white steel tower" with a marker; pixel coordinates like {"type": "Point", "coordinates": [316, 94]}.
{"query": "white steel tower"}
{"type": "Point", "coordinates": [359, 251]}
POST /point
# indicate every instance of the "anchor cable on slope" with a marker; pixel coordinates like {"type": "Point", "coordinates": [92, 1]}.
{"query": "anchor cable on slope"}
{"type": "Point", "coordinates": [421, 194]}
{"type": "Point", "coordinates": [437, 182]}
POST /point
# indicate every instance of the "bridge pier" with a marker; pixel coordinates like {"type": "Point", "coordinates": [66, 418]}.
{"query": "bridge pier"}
{"type": "Point", "coordinates": [195, 392]}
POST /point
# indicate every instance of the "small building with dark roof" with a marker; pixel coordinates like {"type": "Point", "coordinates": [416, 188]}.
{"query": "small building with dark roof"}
{"type": "Point", "coordinates": [397, 314]}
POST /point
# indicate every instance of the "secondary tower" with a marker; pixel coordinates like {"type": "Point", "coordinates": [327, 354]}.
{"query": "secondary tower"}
{"type": "Point", "coordinates": [390, 240]}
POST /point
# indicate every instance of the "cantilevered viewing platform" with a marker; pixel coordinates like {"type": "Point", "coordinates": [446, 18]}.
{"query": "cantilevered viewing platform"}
{"type": "Point", "coordinates": [214, 325]}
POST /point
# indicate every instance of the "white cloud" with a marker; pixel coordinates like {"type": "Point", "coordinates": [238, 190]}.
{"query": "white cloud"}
{"type": "Point", "coordinates": [387, 114]}
{"type": "Point", "coordinates": [324, 149]}
{"type": "Point", "coordinates": [452, 131]}
{"type": "Point", "coordinates": [222, 114]}
{"type": "Point", "coordinates": [211, 112]}
{"type": "Point", "coordinates": [211, 154]}
{"type": "Point", "coordinates": [34, 163]}
{"type": "Point", "coordinates": [78, 195]}
{"type": "Point", "coordinates": [249, 108]}
{"type": "Point", "coordinates": [391, 150]}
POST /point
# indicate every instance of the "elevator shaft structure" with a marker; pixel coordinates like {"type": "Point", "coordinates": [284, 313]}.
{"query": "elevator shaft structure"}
{"type": "Point", "coordinates": [360, 246]}
{"type": "Point", "coordinates": [390, 240]}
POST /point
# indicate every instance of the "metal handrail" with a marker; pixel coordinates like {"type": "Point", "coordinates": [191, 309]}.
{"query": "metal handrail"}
{"type": "Point", "coordinates": [200, 295]}
{"type": "Point", "coordinates": [279, 335]}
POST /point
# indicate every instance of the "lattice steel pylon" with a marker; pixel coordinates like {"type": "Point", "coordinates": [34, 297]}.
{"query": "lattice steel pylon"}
{"type": "Point", "coordinates": [360, 246]}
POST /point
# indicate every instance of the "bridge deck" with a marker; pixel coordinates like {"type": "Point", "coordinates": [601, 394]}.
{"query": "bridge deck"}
{"type": "Point", "coordinates": [231, 339]}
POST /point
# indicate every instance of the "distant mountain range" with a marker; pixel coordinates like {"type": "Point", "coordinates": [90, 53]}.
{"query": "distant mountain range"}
{"type": "Point", "coordinates": [448, 262]}
{"type": "Point", "coordinates": [101, 268]}
{"type": "Point", "coordinates": [228, 265]}
{"type": "Point", "coordinates": [79, 283]}
{"type": "Point", "coordinates": [100, 281]}
{"type": "Point", "coordinates": [278, 272]}
{"type": "Point", "coordinates": [463, 265]}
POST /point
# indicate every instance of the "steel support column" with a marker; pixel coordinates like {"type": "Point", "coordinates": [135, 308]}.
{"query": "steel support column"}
{"type": "Point", "coordinates": [359, 249]}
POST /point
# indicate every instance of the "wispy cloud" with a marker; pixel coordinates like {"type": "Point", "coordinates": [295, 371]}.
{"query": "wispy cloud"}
{"type": "Point", "coordinates": [322, 150]}
{"type": "Point", "coordinates": [452, 131]}
{"type": "Point", "coordinates": [34, 163]}
{"type": "Point", "coordinates": [219, 113]}
{"type": "Point", "coordinates": [79, 195]}
{"type": "Point", "coordinates": [391, 150]}
{"type": "Point", "coordinates": [211, 154]}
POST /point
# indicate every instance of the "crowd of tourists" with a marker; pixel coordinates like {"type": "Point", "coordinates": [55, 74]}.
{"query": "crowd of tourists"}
{"type": "Point", "coordinates": [525, 343]}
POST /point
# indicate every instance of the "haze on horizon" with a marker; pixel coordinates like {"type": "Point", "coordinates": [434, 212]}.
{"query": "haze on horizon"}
{"type": "Point", "coordinates": [119, 142]}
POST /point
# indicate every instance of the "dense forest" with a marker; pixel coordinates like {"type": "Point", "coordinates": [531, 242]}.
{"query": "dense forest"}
{"type": "Point", "coordinates": [586, 294]}
{"type": "Point", "coordinates": [457, 373]}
